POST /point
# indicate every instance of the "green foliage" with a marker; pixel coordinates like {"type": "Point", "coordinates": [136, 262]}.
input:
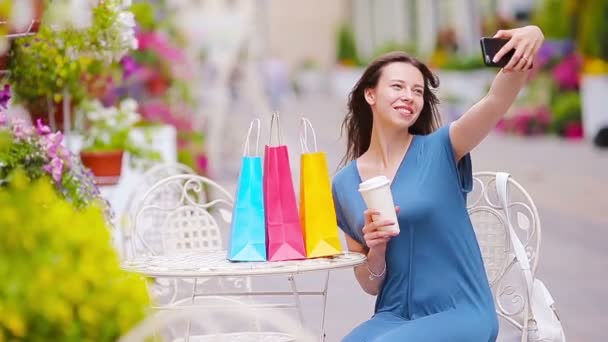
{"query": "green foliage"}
{"type": "Point", "coordinates": [347, 47]}
{"type": "Point", "coordinates": [592, 29]}
{"type": "Point", "coordinates": [144, 15]}
{"type": "Point", "coordinates": [53, 61]}
{"type": "Point", "coordinates": [566, 108]}
{"type": "Point", "coordinates": [39, 67]}
{"type": "Point", "coordinates": [61, 279]}
{"type": "Point", "coordinates": [473, 62]}
{"type": "Point", "coordinates": [5, 12]}
{"type": "Point", "coordinates": [554, 19]}
{"type": "Point", "coordinates": [394, 46]}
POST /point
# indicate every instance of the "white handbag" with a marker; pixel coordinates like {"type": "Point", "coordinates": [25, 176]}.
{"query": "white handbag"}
{"type": "Point", "coordinates": [543, 321]}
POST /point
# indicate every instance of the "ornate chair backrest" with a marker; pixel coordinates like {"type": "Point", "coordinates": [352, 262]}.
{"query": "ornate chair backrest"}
{"type": "Point", "coordinates": [177, 214]}
{"type": "Point", "coordinates": [146, 181]}
{"type": "Point", "coordinates": [488, 218]}
{"type": "Point", "coordinates": [151, 177]}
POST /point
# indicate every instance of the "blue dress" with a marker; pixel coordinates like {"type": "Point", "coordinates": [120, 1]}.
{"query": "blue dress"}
{"type": "Point", "coordinates": [435, 287]}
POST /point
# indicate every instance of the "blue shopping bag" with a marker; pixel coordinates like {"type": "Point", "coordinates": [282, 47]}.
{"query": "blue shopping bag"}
{"type": "Point", "coordinates": [247, 241]}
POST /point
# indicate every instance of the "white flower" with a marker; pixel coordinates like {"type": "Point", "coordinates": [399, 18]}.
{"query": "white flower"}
{"type": "Point", "coordinates": [126, 19]}
{"type": "Point", "coordinates": [112, 122]}
{"type": "Point", "coordinates": [128, 105]}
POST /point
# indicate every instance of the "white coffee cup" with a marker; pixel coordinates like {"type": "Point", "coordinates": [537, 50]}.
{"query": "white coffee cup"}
{"type": "Point", "coordinates": [377, 195]}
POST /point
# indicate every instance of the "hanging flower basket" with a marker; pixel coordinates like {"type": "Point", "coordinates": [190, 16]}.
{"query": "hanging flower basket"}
{"type": "Point", "coordinates": [106, 166]}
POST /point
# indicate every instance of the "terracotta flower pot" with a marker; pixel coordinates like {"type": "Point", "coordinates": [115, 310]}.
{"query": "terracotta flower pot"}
{"type": "Point", "coordinates": [105, 165]}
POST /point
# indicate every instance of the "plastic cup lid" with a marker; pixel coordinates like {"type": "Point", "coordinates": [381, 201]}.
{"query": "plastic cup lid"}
{"type": "Point", "coordinates": [374, 183]}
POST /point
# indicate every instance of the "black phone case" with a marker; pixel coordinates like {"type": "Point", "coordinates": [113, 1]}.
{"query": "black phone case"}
{"type": "Point", "coordinates": [489, 48]}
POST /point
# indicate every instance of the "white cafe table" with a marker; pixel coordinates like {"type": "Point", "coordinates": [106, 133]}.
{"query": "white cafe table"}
{"type": "Point", "coordinates": [215, 264]}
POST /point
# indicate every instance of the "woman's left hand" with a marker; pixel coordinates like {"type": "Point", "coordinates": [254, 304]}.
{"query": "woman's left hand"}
{"type": "Point", "coordinates": [526, 41]}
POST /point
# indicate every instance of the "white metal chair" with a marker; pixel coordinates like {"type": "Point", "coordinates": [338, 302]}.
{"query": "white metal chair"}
{"type": "Point", "coordinates": [222, 319]}
{"type": "Point", "coordinates": [488, 218]}
{"type": "Point", "coordinates": [173, 216]}
{"type": "Point", "coordinates": [145, 182]}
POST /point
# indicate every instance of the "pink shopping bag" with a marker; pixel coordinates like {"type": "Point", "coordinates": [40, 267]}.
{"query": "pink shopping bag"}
{"type": "Point", "coordinates": [284, 237]}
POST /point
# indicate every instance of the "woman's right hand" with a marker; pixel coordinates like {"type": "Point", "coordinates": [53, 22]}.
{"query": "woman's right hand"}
{"type": "Point", "coordinates": [373, 234]}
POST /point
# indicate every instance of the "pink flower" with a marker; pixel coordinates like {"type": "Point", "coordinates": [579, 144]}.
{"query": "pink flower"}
{"type": "Point", "coordinates": [3, 119]}
{"type": "Point", "coordinates": [573, 130]}
{"type": "Point", "coordinates": [543, 115]}
{"type": "Point", "coordinates": [21, 129]}
{"type": "Point", "coordinates": [159, 44]}
{"type": "Point", "coordinates": [503, 125]}
{"type": "Point", "coordinates": [52, 144]}
{"type": "Point", "coordinates": [55, 168]}
{"type": "Point", "coordinates": [202, 162]}
{"type": "Point", "coordinates": [566, 73]}
{"type": "Point", "coordinates": [41, 128]}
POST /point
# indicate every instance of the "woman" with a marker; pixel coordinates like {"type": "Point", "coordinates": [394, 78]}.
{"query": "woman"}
{"type": "Point", "coordinates": [429, 278]}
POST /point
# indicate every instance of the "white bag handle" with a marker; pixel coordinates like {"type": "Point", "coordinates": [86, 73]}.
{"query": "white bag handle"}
{"type": "Point", "coordinates": [304, 124]}
{"type": "Point", "coordinates": [246, 151]}
{"type": "Point", "coordinates": [502, 180]}
{"type": "Point", "coordinates": [275, 116]}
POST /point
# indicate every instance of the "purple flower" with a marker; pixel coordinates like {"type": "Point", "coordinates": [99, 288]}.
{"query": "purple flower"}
{"type": "Point", "coordinates": [41, 128]}
{"type": "Point", "coordinates": [129, 66]}
{"type": "Point", "coordinates": [5, 96]}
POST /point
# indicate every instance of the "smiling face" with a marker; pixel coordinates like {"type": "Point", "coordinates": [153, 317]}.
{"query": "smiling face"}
{"type": "Point", "coordinates": [398, 98]}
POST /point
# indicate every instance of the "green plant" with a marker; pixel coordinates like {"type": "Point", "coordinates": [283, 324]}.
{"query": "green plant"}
{"type": "Point", "coordinates": [61, 279]}
{"type": "Point", "coordinates": [44, 66]}
{"type": "Point", "coordinates": [347, 47]}
{"type": "Point", "coordinates": [554, 18]}
{"type": "Point", "coordinates": [592, 27]}
{"type": "Point", "coordinates": [565, 109]}
{"type": "Point", "coordinates": [473, 62]}
{"type": "Point", "coordinates": [5, 13]}
{"type": "Point", "coordinates": [394, 46]}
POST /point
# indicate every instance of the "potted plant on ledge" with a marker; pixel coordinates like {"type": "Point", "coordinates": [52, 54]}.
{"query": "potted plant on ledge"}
{"type": "Point", "coordinates": [107, 136]}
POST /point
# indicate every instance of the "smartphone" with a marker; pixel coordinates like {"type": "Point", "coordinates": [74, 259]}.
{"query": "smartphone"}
{"type": "Point", "coordinates": [489, 48]}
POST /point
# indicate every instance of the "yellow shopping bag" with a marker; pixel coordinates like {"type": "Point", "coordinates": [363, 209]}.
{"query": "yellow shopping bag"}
{"type": "Point", "coordinates": [317, 213]}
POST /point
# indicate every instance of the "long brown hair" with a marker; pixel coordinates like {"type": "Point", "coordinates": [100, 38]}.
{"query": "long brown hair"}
{"type": "Point", "coordinates": [359, 119]}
